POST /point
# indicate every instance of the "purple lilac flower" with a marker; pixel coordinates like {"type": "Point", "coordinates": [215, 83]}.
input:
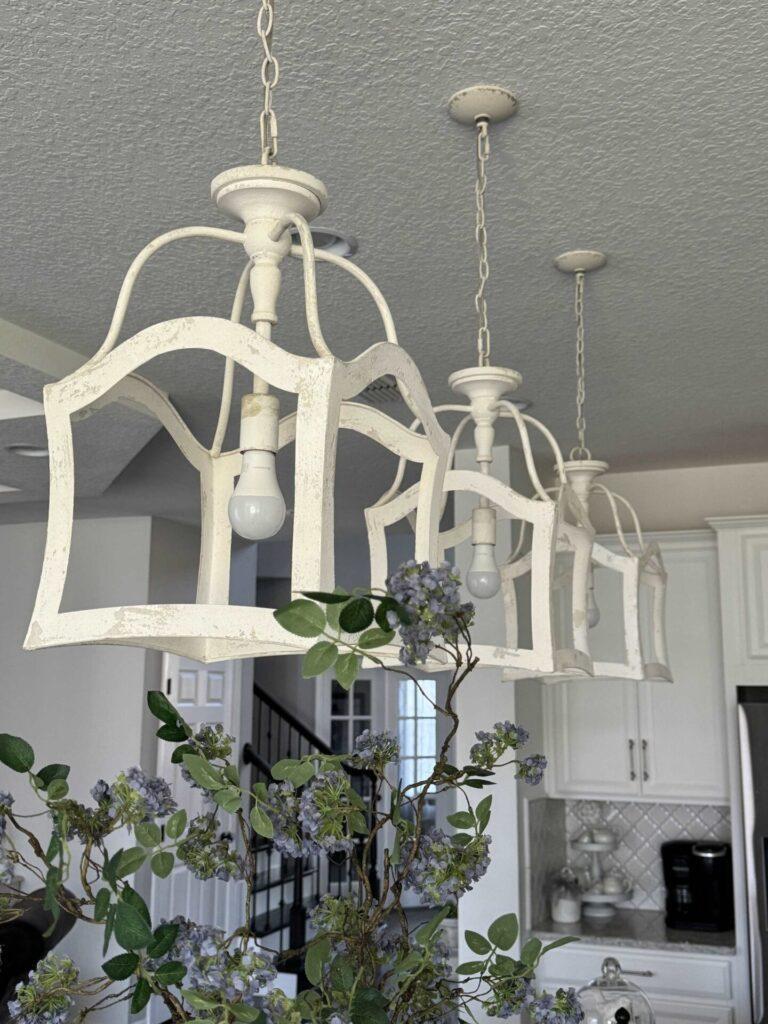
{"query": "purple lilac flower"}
{"type": "Point", "coordinates": [6, 802]}
{"type": "Point", "coordinates": [46, 996]}
{"type": "Point", "coordinates": [102, 794]}
{"type": "Point", "coordinates": [155, 792]}
{"type": "Point", "coordinates": [323, 808]}
{"type": "Point", "coordinates": [211, 742]}
{"type": "Point", "coordinates": [279, 1009]}
{"type": "Point", "coordinates": [491, 746]}
{"type": "Point", "coordinates": [208, 855]}
{"type": "Point", "coordinates": [443, 869]}
{"type": "Point", "coordinates": [375, 749]}
{"type": "Point", "coordinates": [283, 811]}
{"type": "Point", "coordinates": [531, 769]}
{"type": "Point", "coordinates": [432, 599]}
{"type": "Point", "coordinates": [562, 1008]}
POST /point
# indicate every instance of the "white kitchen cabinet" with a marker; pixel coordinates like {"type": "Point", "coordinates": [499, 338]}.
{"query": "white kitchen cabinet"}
{"type": "Point", "coordinates": [654, 741]}
{"type": "Point", "coordinates": [668, 1012]}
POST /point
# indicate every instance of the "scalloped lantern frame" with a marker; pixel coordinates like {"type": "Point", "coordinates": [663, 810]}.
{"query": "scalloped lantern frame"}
{"type": "Point", "coordinates": [211, 629]}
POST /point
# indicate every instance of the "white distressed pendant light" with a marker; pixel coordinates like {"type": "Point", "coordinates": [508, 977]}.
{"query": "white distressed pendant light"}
{"type": "Point", "coordinates": [632, 571]}
{"type": "Point", "coordinates": [271, 202]}
{"type": "Point", "coordinates": [540, 639]}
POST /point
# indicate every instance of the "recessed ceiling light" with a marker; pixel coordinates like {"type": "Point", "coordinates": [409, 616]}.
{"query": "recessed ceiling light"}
{"type": "Point", "coordinates": [330, 240]}
{"type": "Point", "coordinates": [14, 407]}
{"type": "Point", "coordinates": [29, 451]}
{"type": "Point", "coordinates": [5, 489]}
{"type": "Point", "coordinates": [521, 404]}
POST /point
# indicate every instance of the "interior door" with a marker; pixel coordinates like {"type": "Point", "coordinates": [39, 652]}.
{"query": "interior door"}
{"type": "Point", "coordinates": [592, 726]}
{"type": "Point", "coordinates": [202, 693]}
{"type": "Point", "coordinates": [682, 726]}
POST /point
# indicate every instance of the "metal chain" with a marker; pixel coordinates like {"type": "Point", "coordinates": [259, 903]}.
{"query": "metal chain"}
{"type": "Point", "coordinates": [270, 76]}
{"type": "Point", "coordinates": [481, 238]}
{"type": "Point", "coordinates": [580, 451]}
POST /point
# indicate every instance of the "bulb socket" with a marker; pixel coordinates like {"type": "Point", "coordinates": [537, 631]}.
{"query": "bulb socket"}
{"type": "Point", "coordinates": [484, 525]}
{"type": "Point", "coordinates": [259, 423]}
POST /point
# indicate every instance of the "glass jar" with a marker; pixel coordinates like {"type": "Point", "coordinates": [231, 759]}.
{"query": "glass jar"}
{"type": "Point", "coordinates": [611, 999]}
{"type": "Point", "coordinates": [565, 898]}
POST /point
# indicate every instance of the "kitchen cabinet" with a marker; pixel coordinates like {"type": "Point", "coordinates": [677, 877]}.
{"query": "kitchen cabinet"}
{"type": "Point", "coordinates": [654, 741]}
{"type": "Point", "coordinates": [668, 1012]}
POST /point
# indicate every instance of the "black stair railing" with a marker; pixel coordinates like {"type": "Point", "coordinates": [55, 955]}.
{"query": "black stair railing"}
{"type": "Point", "coordinates": [286, 888]}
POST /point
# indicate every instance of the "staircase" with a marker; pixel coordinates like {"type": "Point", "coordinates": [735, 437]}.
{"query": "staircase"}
{"type": "Point", "coordinates": [287, 888]}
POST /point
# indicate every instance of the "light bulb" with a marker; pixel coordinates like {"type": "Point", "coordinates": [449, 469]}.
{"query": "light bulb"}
{"type": "Point", "coordinates": [483, 578]}
{"type": "Point", "coordinates": [257, 507]}
{"type": "Point", "coordinates": [593, 612]}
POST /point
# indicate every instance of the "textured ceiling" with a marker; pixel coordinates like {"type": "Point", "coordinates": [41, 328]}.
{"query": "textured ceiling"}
{"type": "Point", "coordinates": [642, 131]}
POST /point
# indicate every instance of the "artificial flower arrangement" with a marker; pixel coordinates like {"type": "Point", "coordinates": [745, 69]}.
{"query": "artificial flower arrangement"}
{"type": "Point", "coordinates": [363, 963]}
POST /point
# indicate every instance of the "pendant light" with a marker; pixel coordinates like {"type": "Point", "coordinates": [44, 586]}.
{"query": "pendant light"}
{"type": "Point", "coordinates": [271, 202]}
{"type": "Point", "coordinates": [541, 638]}
{"type": "Point", "coordinates": [635, 568]}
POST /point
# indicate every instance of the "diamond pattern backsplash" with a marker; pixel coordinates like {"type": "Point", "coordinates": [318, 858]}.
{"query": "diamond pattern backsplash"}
{"type": "Point", "coordinates": [641, 829]}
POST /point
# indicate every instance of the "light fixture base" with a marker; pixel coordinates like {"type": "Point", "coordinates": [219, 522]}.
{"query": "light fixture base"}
{"type": "Point", "coordinates": [491, 103]}
{"type": "Point", "coordinates": [580, 261]}
{"type": "Point", "coordinates": [486, 381]}
{"type": "Point", "coordinates": [259, 191]}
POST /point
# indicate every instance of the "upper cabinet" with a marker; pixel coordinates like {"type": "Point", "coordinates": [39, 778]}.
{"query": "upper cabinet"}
{"type": "Point", "coordinates": [659, 741]}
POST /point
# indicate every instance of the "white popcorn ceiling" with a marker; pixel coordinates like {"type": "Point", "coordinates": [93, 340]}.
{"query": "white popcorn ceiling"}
{"type": "Point", "coordinates": [642, 131]}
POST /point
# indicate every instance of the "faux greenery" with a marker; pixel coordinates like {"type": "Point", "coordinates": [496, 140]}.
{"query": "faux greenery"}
{"type": "Point", "coordinates": [365, 965]}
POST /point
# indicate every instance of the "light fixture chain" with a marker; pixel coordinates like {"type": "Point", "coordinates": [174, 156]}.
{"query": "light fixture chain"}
{"type": "Point", "coordinates": [481, 238]}
{"type": "Point", "coordinates": [580, 451]}
{"type": "Point", "coordinates": [270, 76]}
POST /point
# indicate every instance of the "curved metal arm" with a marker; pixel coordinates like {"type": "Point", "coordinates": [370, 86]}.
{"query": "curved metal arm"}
{"type": "Point", "coordinates": [222, 234]}
{"type": "Point", "coordinates": [370, 286]}
{"type": "Point", "coordinates": [612, 498]}
{"type": "Point", "coordinates": [511, 411]}
{"type": "Point", "coordinates": [310, 278]}
{"type": "Point", "coordinates": [229, 365]}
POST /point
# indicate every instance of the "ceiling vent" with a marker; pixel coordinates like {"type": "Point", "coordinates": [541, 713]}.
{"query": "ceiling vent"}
{"type": "Point", "coordinates": [383, 391]}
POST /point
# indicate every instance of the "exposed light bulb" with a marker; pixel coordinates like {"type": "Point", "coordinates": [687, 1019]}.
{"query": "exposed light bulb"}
{"type": "Point", "coordinates": [257, 507]}
{"type": "Point", "coordinates": [593, 612]}
{"type": "Point", "coordinates": [483, 578]}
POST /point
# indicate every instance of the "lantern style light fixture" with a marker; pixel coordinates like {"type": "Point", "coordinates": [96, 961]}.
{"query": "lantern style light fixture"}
{"type": "Point", "coordinates": [271, 202]}
{"type": "Point", "coordinates": [632, 571]}
{"type": "Point", "coordinates": [544, 636]}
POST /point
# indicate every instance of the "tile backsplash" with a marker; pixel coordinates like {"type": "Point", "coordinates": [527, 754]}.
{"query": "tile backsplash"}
{"type": "Point", "coordinates": [641, 829]}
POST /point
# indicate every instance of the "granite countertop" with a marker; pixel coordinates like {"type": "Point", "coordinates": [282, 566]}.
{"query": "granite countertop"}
{"type": "Point", "coordinates": [643, 929]}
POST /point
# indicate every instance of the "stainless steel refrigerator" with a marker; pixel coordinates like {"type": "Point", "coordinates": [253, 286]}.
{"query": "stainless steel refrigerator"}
{"type": "Point", "coordinates": [753, 746]}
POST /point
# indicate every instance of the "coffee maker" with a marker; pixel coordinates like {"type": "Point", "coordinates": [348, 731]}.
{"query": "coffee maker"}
{"type": "Point", "coordinates": [699, 882]}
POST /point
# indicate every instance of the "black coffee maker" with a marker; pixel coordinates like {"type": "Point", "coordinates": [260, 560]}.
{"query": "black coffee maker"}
{"type": "Point", "coordinates": [699, 882]}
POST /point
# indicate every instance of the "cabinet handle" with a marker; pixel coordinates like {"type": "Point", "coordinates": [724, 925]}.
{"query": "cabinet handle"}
{"type": "Point", "coordinates": [638, 974]}
{"type": "Point", "coordinates": [632, 772]}
{"type": "Point", "coordinates": [646, 773]}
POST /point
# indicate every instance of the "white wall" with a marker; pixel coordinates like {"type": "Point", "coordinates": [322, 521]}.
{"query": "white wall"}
{"type": "Point", "coordinates": [82, 706]}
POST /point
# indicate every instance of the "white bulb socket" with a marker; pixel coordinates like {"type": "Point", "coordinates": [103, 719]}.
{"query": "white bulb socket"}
{"type": "Point", "coordinates": [483, 576]}
{"type": "Point", "coordinates": [257, 507]}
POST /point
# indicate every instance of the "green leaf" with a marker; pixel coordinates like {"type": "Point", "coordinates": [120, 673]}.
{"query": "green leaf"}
{"type": "Point", "coordinates": [478, 783]}
{"type": "Point", "coordinates": [483, 812]}
{"type": "Point", "coordinates": [347, 668]}
{"type": "Point", "coordinates": [356, 615]}
{"type": "Point", "coordinates": [260, 823]}
{"type": "Point", "coordinates": [471, 967]}
{"type": "Point", "coordinates": [369, 1007]}
{"type": "Point", "coordinates": [461, 819]}
{"type": "Point", "coordinates": [198, 1002]}
{"type": "Point", "coordinates": [247, 1014]}
{"type": "Point", "coordinates": [177, 756]}
{"type": "Point", "coordinates": [149, 834]}
{"type": "Point", "coordinates": [163, 939]}
{"type": "Point", "coordinates": [337, 597]}
{"type": "Point", "coordinates": [504, 931]}
{"type": "Point", "coordinates": [130, 861]}
{"type": "Point", "coordinates": [176, 824]}
{"type": "Point", "coordinates": [318, 954]}
{"type": "Point", "coordinates": [229, 799]}
{"type": "Point", "coordinates": [162, 708]}
{"type": "Point", "coordinates": [531, 952]}
{"type": "Point", "coordinates": [375, 637]}
{"type": "Point", "coordinates": [319, 658]}
{"type": "Point", "coordinates": [357, 822]}
{"type": "Point", "coordinates": [232, 774]}
{"type": "Point", "coordinates": [109, 927]}
{"type": "Point", "coordinates": [57, 789]}
{"type": "Point", "coordinates": [389, 604]}
{"type": "Point", "coordinates": [342, 973]}
{"type": "Point", "coordinates": [131, 930]}
{"type": "Point", "coordinates": [172, 733]}
{"type": "Point", "coordinates": [282, 769]}
{"type": "Point", "coordinates": [203, 773]}
{"type": "Point", "coordinates": [101, 904]}
{"type": "Point", "coordinates": [302, 617]}
{"type": "Point", "coordinates": [121, 966]}
{"type": "Point", "coordinates": [563, 941]}
{"type": "Point", "coordinates": [162, 863]}
{"type": "Point", "coordinates": [52, 771]}
{"type": "Point", "coordinates": [132, 898]}
{"type": "Point", "coordinates": [141, 994]}
{"type": "Point", "coordinates": [16, 753]}
{"type": "Point", "coordinates": [170, 973]}
{"type": "Point", "coordinates": [477, 943]}
{"type": "Point", "coordinates": [427, 931]}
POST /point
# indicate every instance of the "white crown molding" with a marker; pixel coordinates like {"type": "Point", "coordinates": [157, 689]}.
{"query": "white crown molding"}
{"type": "Point", "coordinates": [757, 522]}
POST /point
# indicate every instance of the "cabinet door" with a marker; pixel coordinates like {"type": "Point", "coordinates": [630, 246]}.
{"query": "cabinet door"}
{"type": "Point", "coordinates": [593, 731]}
{"type": "Point", "coordinates": [682, 725]}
